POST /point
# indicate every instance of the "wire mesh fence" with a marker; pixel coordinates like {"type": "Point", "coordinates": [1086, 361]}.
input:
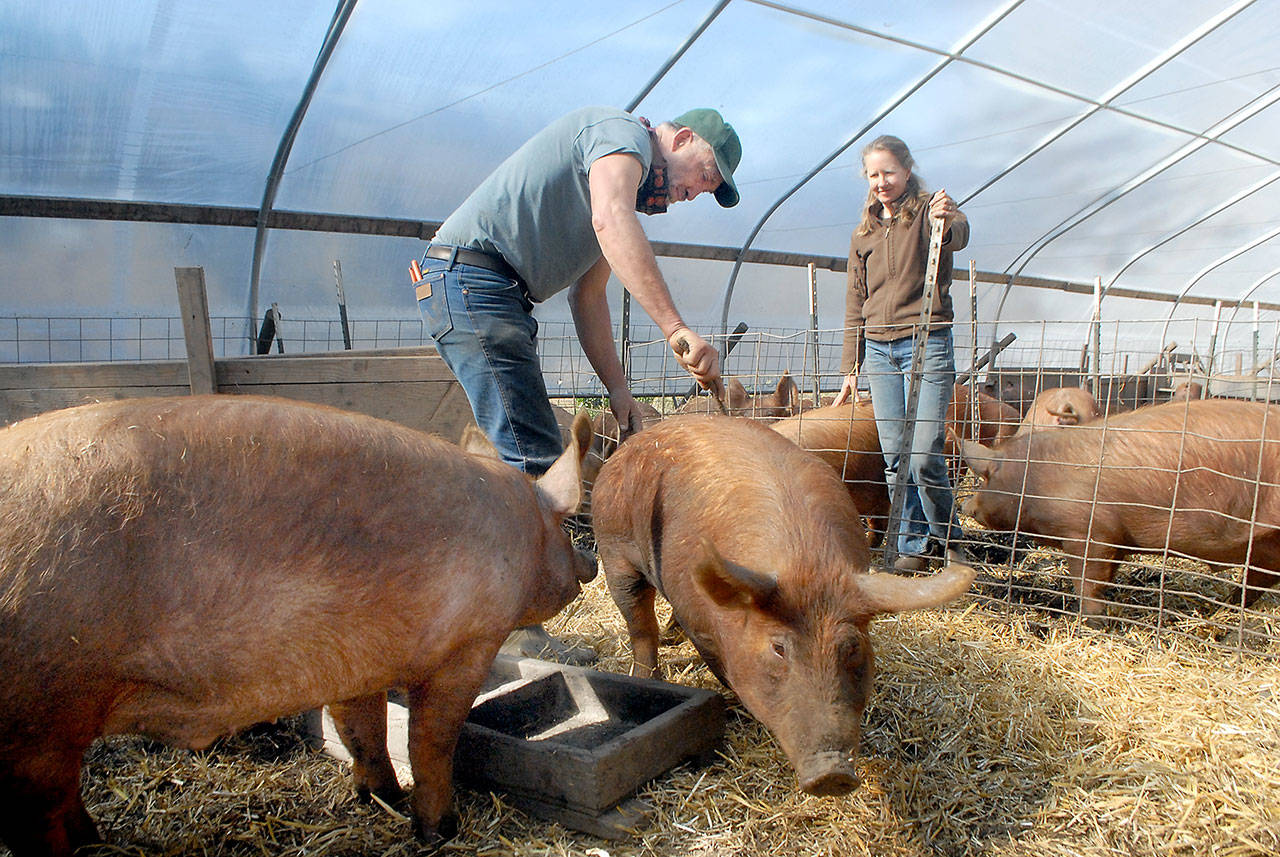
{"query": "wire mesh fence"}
{"type": "Point", "coordinates": [1152, 507]}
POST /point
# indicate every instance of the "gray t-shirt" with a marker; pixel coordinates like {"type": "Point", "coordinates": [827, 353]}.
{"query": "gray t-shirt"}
{"type": "Point", "coordinates": [534, 210]}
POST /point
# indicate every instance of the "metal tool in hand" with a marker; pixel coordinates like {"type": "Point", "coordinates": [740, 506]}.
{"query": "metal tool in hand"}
{"type": "Point", "coordinates": [913, 393]}
{"type": "Point", "coordinates": [682, 348]}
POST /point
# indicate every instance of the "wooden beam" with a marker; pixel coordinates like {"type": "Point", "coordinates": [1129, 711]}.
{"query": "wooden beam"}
{"type": "Point", "coordinates": [193, 302]}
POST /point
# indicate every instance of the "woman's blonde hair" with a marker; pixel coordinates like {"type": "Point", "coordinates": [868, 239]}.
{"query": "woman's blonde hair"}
{"type": "Point", "coordinates": [914, 197]}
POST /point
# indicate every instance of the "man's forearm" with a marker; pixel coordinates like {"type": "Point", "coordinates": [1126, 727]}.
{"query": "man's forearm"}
{"type": "Point", "coordinates": [627, 249]}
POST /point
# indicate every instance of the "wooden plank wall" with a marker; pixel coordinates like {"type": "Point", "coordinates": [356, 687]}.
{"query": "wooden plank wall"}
{"type": "Point", "coordinates": [412, 386]}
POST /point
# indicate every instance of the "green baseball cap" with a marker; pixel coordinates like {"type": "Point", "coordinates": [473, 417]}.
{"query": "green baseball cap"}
{"type": "Point", "coordinates": [710, 126]}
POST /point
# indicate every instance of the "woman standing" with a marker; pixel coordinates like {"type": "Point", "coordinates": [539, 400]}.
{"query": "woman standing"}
{"type": "Point", "coordinates": [888, 255]}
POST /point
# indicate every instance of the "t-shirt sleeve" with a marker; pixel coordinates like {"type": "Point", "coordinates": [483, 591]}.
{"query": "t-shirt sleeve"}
{"type": "Point", "coordinates": [610, 136]}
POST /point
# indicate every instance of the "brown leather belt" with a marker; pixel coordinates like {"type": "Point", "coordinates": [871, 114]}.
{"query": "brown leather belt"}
{"type": "Point", "coordinates": [477, 258]}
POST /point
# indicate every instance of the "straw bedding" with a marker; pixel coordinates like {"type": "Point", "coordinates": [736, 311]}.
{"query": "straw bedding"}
{"type": "Point", "coordinates": [987, 734]}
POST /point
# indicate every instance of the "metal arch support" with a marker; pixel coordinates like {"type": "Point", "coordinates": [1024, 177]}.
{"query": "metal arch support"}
{"type": "Point", "coordinates": [675, 57]}
{"type": "Point", "coordinates": [982, 30]}
{"type": "Point", "coordinates": [1098, 204]}
{"type": "Point", "coordinates": [1214, 212]}
{"type": "Point", "coordinates": [1104, 103]}
{"type": "Point", "coordinates": [1124, 86]}
{"type": "Point", "coordinates": [340, 17]}
{"type": "Point", "coordinates": [1222, 260]}
{"type": "Point", "coordinates": [1257, 284]}
{"type": "Point", "coordinates": [1109, 97]}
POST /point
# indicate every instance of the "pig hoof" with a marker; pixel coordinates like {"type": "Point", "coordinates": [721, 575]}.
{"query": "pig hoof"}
{"type": "Point", "coordinates": [434, 837]}
{"type": "Point", "coordinates": [390, 795]}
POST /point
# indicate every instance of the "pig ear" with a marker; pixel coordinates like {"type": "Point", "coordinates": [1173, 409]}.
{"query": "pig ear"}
{"type": "Point", "coordinates": [980, 459]}
{"type": "Point", "coordinates": [729, 584]}
{"type": "Point", "coordinates": [737, 394]}
{"type": "Point", "coordinates": [560, 488]}
{"type": "Point", "coordinates": [475, 442]}
{"type": "Point", "coordinates": [884, 592]}
{"type": "Point", "coordinates": [788, 391]}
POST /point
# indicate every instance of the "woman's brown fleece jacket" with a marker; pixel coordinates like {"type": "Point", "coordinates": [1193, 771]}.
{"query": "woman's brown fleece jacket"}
{"type": "Point", "coordinates": [886, 282]}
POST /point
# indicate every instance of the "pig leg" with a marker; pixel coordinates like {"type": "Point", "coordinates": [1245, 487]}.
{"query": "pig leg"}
{"type": "Point", "coordinates": [437, 709]}
{"type": "Point", "coordinates": [41, 812]}
{"type": "Point", "coordinates": [362, 726]}
{"type": "Point", "coordinates": [1263, 571]}
{"type": "Point", "coordinates": [634, 596]}
{"type": "Point", "coordinates": [1091, 567]}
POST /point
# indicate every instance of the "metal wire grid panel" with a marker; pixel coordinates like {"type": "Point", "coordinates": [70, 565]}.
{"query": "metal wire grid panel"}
{"type": "Point", "coordinates": [1169, 587]}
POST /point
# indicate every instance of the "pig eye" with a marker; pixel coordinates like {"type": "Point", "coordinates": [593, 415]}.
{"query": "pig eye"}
{"type": "Point", "coordinates": [779, 649]}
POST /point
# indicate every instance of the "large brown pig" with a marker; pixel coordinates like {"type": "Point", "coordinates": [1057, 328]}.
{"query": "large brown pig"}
{"type": "Point", "coordinates": [1182, 477]}
{"type": "Point", "coordinates": [756, 545]}
{"type": "Point", "coordinates": [784, 401]}
{"type": "Point", "coordinates": [845, 437]}
{"type": "Point", "coordinates": [1060, 406]}
{"type": "Point", "coordinates": [185, 567]}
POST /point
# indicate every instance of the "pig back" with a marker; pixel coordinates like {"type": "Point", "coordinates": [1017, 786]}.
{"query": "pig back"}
{"type": "Point", "coordinates": [1185, 473]}
{"type": "Point", "coordinates": [845, 438]}
{"type": "Point", "coordinates": [733, 481]}
{"type": "Point", "coordinates": [1060, 406]}
{"type": "Point", "coordinates": [207, 543]}
{"type": "Point", "coordinates": [996, 420]}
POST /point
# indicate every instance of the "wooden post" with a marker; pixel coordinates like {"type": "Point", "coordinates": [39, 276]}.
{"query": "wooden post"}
{"type": "Point", "coordinates": [194, 303]}
{"type": "Point", "coordinates": [1213, 347]}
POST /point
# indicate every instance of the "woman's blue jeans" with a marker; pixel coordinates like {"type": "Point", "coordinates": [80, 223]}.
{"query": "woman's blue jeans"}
{"type": "Point", "coordinates": [929, 507]}
{"type": "Point", "coordinates": [482, 327]}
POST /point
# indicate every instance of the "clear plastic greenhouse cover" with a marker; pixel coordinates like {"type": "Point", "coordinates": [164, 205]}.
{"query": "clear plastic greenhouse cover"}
{"type": "Point", "coordinates": [1138, 143]}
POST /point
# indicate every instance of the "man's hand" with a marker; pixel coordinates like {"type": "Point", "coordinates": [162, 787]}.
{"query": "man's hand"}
{"type": "Point", "coordinates": [698, 358]}
{"type": "Point", "coordinates": [626, 410]}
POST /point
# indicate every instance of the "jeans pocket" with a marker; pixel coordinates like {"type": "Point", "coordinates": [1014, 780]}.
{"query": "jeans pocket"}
{"type": "Point", "coordinates": [435, 307]}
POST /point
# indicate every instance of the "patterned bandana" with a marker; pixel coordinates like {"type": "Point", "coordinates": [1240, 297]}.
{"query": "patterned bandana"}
{"type": "Point", "coordinates": [651, 197]}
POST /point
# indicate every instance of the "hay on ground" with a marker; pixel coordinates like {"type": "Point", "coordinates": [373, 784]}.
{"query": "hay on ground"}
{"type": "Point", "coordinates": [988, 734]}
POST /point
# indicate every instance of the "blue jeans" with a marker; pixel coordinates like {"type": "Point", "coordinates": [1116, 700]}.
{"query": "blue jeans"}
{"type": "Point", "coordinates": [929, 507]}
{"type": "Point", "coordinates": [482, 327]}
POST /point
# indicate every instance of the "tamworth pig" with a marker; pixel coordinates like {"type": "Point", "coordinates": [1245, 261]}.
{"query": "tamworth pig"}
{"type": "Point", "coordinates": [844, 436]}
{"type": "Point", "coordinates": [757, 547]}
{"type": "Point", "coordinates": [784, 401]}
{"type": "Point", "coordinates": [604, 438]}
{"type": "Point", "coordinates": [182, 568]}
{"type": "Point", "coordinates": [982, 418]}
{"type": "Point", "coordinates": [605, 428]}
{"type": "Point", "coordinates": [1060, 406]}
{"type": "Point", "coordinates": [995, 420]}
{"type": "Point", "coordinates": [1187, 390]}
{"type": "Point", "coordinates": [1182, 477]}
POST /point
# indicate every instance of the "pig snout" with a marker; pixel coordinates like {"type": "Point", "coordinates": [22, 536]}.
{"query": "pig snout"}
{"type": "Point", "coordinates": [828, 774]}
